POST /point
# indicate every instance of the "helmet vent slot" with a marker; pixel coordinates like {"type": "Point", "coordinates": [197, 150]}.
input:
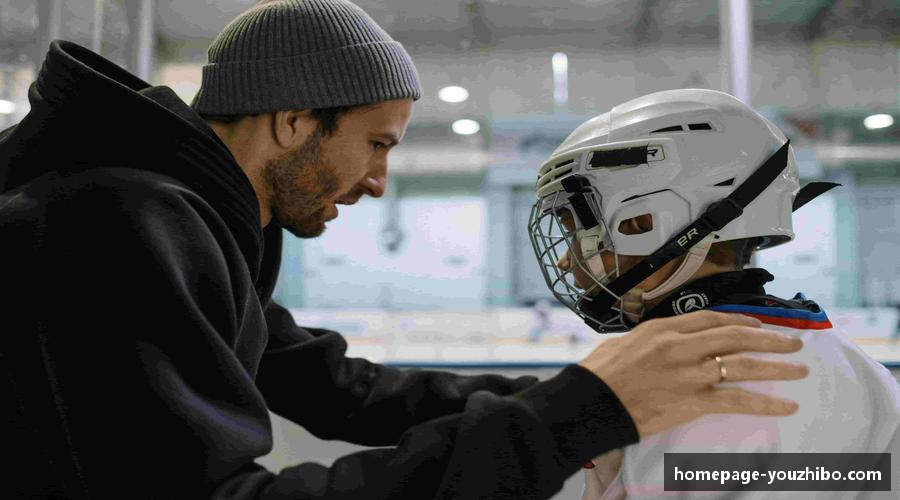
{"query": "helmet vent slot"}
{"type": "Point", "coordinates": [556, 172]}
{"type": "Point", "coordinates": [673, 128]}
{"type": "Point", "coordinates": [700, 126]}
{"type": "Point", "coordinates": [562, 172]}
{"type": "Point", "coordinates": [561, 169]}
{"type": "Point", "coordinates": [729, 182]}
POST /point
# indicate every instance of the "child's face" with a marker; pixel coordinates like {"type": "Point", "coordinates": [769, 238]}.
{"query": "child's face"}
{"type": "Point", "coordinates": [634, 225]}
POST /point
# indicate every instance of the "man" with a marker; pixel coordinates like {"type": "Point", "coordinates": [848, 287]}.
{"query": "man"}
{"type": "Point", "coordinates": [646, 182]}
{"type": "Point", "coordinates": [141, 350]}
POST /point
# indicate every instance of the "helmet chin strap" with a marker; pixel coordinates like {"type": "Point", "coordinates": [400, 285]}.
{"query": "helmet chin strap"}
{"type": "Point", "coordinates": [596, 267]}
{"type": "Point", "coordinates": [633, 301]}
{"type": "Point", "coordinates": [696, 255]}
{"type": "Point", "coordinates": [590, 240]}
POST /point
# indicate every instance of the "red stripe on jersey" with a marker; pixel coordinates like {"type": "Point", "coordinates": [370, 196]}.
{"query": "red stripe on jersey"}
{"type": "Point", "coordinates": [799, 324]}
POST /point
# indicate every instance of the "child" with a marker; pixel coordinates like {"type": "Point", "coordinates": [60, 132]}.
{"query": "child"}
{"type": "Point", "coordinates": [653, 210]}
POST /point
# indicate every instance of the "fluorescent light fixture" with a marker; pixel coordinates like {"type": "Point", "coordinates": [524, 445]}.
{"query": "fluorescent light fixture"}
{"type": "Point", "coordinates": [465, 127]}
{"type": "Point", "coordinates": [736, 22]}
{"type": "Point", "coordinates": [7, 107]}
{"type": "Point", "coordinates": [453, 93]}
{"type": "Point", "coordinates": [880, 120]}
{"type": "Point", "coordinates": [560, 78]}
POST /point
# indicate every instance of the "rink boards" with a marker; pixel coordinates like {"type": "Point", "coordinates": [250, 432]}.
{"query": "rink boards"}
{"type": "Point", "coordinates": [518, 337]}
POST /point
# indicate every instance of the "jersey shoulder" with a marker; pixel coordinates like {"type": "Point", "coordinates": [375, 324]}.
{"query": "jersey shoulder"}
{"type": "Point", "coordinates": [797, 313]}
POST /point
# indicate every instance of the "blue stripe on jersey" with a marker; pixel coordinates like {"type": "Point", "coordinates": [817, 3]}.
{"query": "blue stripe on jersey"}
{"type": "Point", "coordinates": [778, 312]}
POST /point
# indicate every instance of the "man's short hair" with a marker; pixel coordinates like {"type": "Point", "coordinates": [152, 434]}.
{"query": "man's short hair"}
{"type": "Point", "coordinates": [327, 117]}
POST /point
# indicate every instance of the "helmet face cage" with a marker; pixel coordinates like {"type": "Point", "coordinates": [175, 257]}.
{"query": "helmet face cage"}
{"type": "Point", "coordinates": [552, 239]}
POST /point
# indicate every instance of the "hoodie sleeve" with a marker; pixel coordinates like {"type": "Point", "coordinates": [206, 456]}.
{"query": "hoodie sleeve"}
{"type": "Point", "coordinates": [369, 403]}
{"type": "Point", "coordinates": [134, 375]}
{"type": "Point", "coordinates": [518, 447]}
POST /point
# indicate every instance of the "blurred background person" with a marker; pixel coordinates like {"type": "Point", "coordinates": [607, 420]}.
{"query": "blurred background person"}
{"type": "Point", "coordinates": [541, 322]}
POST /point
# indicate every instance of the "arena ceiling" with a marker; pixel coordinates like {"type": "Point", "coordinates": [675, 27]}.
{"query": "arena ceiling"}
{"type": "Point", "coordinates": [459, 25]}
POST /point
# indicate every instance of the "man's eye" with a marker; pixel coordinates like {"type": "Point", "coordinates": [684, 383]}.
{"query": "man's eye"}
{"type": "Point", "coordinates": [378, 146]}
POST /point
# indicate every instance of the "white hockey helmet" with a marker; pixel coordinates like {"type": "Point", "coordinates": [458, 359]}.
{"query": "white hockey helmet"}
{"type": "Point", "coordinates": [702, 164]}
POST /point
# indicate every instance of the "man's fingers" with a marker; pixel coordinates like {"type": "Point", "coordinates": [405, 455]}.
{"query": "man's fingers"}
{"type": "Point", "coordinates": [731, 339]}
{"type": "Point", "coordinates": [746, 402]}
{"type": "Point", "coordinates": [744, 368]}
{"type": "Point", "coordinates": [664, 373]}
{"type": "Point", "coordinates": [702, 320]}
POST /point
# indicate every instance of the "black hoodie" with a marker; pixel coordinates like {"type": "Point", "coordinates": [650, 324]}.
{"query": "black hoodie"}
{"type": "Point", "coordinates": [140, 350]}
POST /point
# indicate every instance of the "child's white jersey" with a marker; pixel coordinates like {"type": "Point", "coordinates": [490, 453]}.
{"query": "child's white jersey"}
{"type": "Point", "coordinates": [848, 404]}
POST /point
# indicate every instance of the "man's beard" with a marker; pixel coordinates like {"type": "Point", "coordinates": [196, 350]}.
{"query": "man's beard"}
{"type": "Point", "coordinates": [299, 184]}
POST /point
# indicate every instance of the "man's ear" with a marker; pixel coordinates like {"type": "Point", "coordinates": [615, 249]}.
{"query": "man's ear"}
{"type": "Point", "coordinates": [290, 129]}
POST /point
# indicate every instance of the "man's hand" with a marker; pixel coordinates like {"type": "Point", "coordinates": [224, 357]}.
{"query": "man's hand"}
{"type": "Point", "coordinates": [665, 373]}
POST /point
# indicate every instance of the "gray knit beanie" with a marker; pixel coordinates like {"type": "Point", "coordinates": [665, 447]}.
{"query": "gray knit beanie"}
{"type": "Point", "coordinates": [303, 54]}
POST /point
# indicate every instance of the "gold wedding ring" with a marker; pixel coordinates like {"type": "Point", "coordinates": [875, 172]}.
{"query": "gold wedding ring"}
{"type": "Point", "coordinates": [722, 371]}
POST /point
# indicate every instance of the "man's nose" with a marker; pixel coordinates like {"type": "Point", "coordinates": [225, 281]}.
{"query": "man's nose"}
{"type": "Point", "coordinates": [375, 185]}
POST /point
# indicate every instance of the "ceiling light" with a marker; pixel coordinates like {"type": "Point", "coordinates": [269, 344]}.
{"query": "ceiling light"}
{"type": "Point", "coordinates": [880, 120]}
{"type": "Point", "coordinates": [466, 127]}
{"type": "Point", "coordinates": [7, 107]}
{"type": "Point", "coordinates": [453, 93]}
{"type": "Point", "coordinates": [560, 63]}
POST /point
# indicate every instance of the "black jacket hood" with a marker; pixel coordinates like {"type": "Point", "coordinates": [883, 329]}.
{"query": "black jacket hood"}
{"type": "Point", "coordinates": [87, 112]}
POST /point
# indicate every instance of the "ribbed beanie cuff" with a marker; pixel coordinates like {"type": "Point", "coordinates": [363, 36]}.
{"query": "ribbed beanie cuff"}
{"type": "Point", "coordinates": [303, 54]}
